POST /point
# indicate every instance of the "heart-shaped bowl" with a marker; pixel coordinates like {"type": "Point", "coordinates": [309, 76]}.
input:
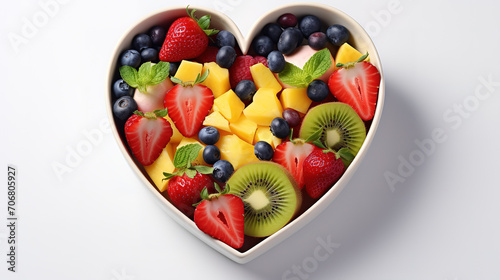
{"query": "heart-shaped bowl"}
{"type": "Point", "coordinates": [328, 15]}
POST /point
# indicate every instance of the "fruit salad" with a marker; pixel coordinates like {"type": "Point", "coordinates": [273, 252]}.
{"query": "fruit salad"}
{"type": "Point", "coordinates": [242, 143]}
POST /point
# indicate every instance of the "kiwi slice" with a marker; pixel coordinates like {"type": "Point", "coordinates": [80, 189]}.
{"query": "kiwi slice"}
{"type": "Point", "coordinates": [270, 196]}
{"type": "Point", "coordinates": [342, 126]}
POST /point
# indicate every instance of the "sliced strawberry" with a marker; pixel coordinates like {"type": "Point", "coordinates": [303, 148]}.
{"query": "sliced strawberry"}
{"type": "Point", "coordinates": [321, 170]}
{"type": "Point", "coordinates": [240, 70]}
{"type": "Point", "coordinates": [292, 157]}
{"type": "Point", "coordinates": [357, 85]}
{"type": "Point", "coordinates": [147, 134]}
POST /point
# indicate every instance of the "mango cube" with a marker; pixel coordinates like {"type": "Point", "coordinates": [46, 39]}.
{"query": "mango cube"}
{"type": "Point", "coordinates": [264, 107]}
{"type": "Point", "coordinates": [263, 133]}
{"type": "Point", "coordinates": [347, 53]}
{"type": "Point", "coordinates": [295, 98]}
{"type": "Point", "coordinates": [185, 141]}
{"type": "Point", "coordinates": [188, 70]}
{"type": "Point", "coordinates": [264, 78]}
{"type": "Point", "coordinates": [218, 121]}
{"type": "Point", "coordinates": [217, 79]}
{"type": "Point", "coordinates": [229, 105]}
{"type": "Point", "coordinates": [176, 135]}
{"type": "Point", "coordinates": [164, 163]}
{"type": "Point", "coordinates": [244, 128]}
{"type": "Point", "coordinates": [236, 151]}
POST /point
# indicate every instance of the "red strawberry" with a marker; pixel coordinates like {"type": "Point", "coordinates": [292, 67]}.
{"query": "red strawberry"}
{"type": "Point", "coordinates": [292, 157]}
{"type": "Point", "coordinates": [186, 38]}
{"type": "Point", "coordinates": [221, 216]}
{"type": "Point", "coordinates": [188, 104]}
{"type": "Point", "coordinates": [356, 84]}
{"type": "Point", "coordinates": [262, 60]}
{"type": "Point", "coordinates": [208, 55]}
{"type": "Point", "coordinates": [240, 70]}
{"type": "Point", "coordinates": [322, 168]}
{"type": "Point", "coordinates": [147, 134]}
{"type": "Point", "coordinates": [184, 191]}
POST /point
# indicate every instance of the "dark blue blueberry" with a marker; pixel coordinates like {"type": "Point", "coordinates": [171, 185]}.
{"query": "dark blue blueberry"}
{"type": "Point", "coordinates": [263, 150]}
{"type": "Point", "coordinates": [317, 90]}
{"type": "Point", "coordinates": [309, 24]}
{"type": "Point", "coordinates": [124, 107]}
{"type": "Point", "coordinates": [173, 68]}
{"type": "Point", "coordinates": [273, 31]}
{"type": "Point", "coordinates": [131, 58]}
{"type": "Point", "coordinates": [121, 88]}
{"type": "Point", "coordinates": [225, 56]}
{"type": "Point", "coordinates": [337, 34]}
{"type": "Point", "coordinates": [223, 169]}
{"type": "Point", "coordinates": [209, 135]}
{"type": "Point", "coordinates": [157, 34]}
{"type": "Point", "coordinates": [225, 38]}
{"type": "Point", "coordinates": [263, 45]}
{"type": "Point", "coordinates": [211, 154]}
{"type": "Point", "coordinates": [289, 40]}
{"type": "Point", "coordinates": [280, 128]}
{"type": "Point", "coordinates": [287, 20]}
{"type": "Point", "coordinates": [276, 61]}
{"type": "Point", "coordinates": [317, 40]}
{"type": "Point", "coordinates": [245, 90]}
{"type": "Point", "coordinates": [142, 41]}
{"type": "Point", "coordinates": [149, 54]}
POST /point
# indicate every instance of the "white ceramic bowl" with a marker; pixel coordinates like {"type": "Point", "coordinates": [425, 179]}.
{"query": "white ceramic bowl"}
{"type": "Point", "coordinates": [328, 15]}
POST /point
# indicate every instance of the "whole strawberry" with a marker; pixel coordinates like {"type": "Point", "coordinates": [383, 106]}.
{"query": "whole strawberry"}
{"type": "Point", "coordinates": [187, 38]}
{"type": "Point", "coordinates": [187, 182]}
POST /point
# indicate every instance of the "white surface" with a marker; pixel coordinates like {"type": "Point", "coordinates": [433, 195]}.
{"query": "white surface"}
{"type": "Point", "coordinates": [98, 222]}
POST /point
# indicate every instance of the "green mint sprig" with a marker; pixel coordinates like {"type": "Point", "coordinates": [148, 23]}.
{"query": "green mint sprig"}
{"type": "Point", "coordinates": [183, 159]}
{"type": "Point", "coordinates": [148, 75]}
{"type": "Point", "coordinates": [314, 68]}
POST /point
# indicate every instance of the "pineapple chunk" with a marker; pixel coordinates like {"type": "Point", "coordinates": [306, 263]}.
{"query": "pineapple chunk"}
{"type": "Point", "coordinates": [229, 105]}
{"type": "Point", "coordinates": [188, 70]}
{"type": "Point", "coordinates": [347, 53]}
{"type": "Point", "coordinates": [176, 135]}
{"type": "Point", "coordinates": [217, 79]}
{"type": "Point", "coordinates": [264, 107]}
{"type": "Point", "coordinates": [263, 133]}
{"type": "Point", "coordinates": [264, 78]}
{"type": "Point", "coordinates": [164, 163]}
{"type": "Point", "coordinates": [244, 128]}
{"type": "Point", "coordinates": [185, 141]}
{"type": "Point", "coordinates": [295, 98]}
{"type": "Point", "coordinates": [236, 151]}
{"type": "Point", "coordinates": [216, 120]}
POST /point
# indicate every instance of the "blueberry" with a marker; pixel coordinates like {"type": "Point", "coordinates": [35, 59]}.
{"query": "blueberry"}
{"type": "Point", "coordinates": [209, 135]}
{"type": "Point", "coordinates": [223, 169]}
{"type": "Point", "coordinates": [287, 20]}
{"type": "Point", "coordinates": [292, 117]}
{"type": "Point", "coordinates": [157, 34]}
{"type": "Point", "coordinates": [337, 34]}
{"type": "Point", "coordinates": [263, 45]}
{"type": "Point", "coordinates": [317, 40]}
{"type": "Point", "coordinates": [276, 61]}
{"type": "Point", "coordinates": [121, 88]}
{"type": "Point", "coordinates": [131, 58]}
{"type": "Point", "coordinates": [149, 54]}
{"type": "Point", "coordinates": [289, 40]}
{"type": "Point", "coordinates": [173, 68]}
{"type": "Point", "coordinates": [309, 24]}
{"type": "Point", "coordinates": [225, 56]}
{"type": "Point", "coordinates": [273, 31]}
{"type": "Point", "coordinates": [225, 38]}
{"type": "Point", "coordinates": [245, 90]}
{"type": "Point", "coordinates": [124, 107]}
{"type": "Point", "coordinates": [142, 41]}
{"type": "Point", "coordinates": [263, 150]}
{"type": "Point", "coordinates": [211, 154]}
{"type": "Point", "coordinates": [317, 90]}
{"type": "Point", "coordinates": [280, 128]}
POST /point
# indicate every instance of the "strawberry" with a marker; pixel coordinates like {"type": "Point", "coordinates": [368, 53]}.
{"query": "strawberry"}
{"type": "Point", "coordinates": [322, 168]}
{"type": "Point", "coordinates": [356, 84]}
{"type": "Point", "coordinates": [221, 216]}
{"type": "Point", "coordinates": [240, 70]}
{"type": "Point", "coordinates": [147, 134]}
{"type": "Point", "coordinates": [208, 55]}
{"type": "Point", "coordinates": [188, 104]}
{"type": "Point", "coordinates": [186, 38]}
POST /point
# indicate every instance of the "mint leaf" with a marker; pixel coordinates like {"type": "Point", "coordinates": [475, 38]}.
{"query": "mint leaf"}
{"type": "Point", "coordinates": [148, 75]}
{"type": "Point", "coordinates": [346, 155]}
{"type": "Point", "coordinates": [203, 169]}
{"type": "Point", "coordinates": [129, 75]}
{"type": "Point", "coordinates": [315, 136]}
{"type": "Point", "coordinates": [190, 173]}
{"type": "Point", "coordinates": [144, 73]}
{"type": "Point", "coordinates": [293, 76]}
{"type": "Point", "coordinates": [159, 72]}
{"type": "Point", "coordinates": [186, 154]}
{"type": "Point", "coordinates": [318, 64]}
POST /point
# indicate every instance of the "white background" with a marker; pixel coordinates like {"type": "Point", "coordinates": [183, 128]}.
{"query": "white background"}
{"type": "Point", "coordinates": [99, 222]}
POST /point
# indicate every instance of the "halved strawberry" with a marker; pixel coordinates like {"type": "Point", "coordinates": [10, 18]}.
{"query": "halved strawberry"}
{"type": "Point", "coordinates": [221, 216]}
{"type": "Point", "coordinates": [356, 84]}
{"type": "Point", "coordinates": [188, 104]}
{"type": "Point", "coordinates": [147, 134]}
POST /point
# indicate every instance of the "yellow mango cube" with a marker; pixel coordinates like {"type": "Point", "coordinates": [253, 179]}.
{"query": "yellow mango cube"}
{"type": "Point", "coordinates": [264, 78]}
{"type": "Point", "coordinates": [164, 163]}
{"type": "Point", "coordinates": [218, 121]}
{"type": "Point", "coordinates": [263, 133]}
{"type": "Point", "coordinates": [347, 53]}
{"type": "Point", "coordinates": [185, 141]}
{"type": "Point", "coordinates": [244, 128]}
{"type": "Point", "coordinates": [176, 135]}
{"type": "Point", "coordinates": [295, 98]}
{"type": "Point", "coordinates": [217, 79]}
{"type": "Point", "coordinates": [188, 70]}
{"type": "Point", "coordinates": [229, 105]}
{"type": "Point", "coordinates": [264, 107]}
{"type": "Point", "coordinates": [236, 151]}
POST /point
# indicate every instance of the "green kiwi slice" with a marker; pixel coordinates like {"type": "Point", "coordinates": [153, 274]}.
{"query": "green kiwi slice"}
{"type": "Point", "coordinates": [270, 196]}
{"type": "Point", "coordinates": [342, 126]}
